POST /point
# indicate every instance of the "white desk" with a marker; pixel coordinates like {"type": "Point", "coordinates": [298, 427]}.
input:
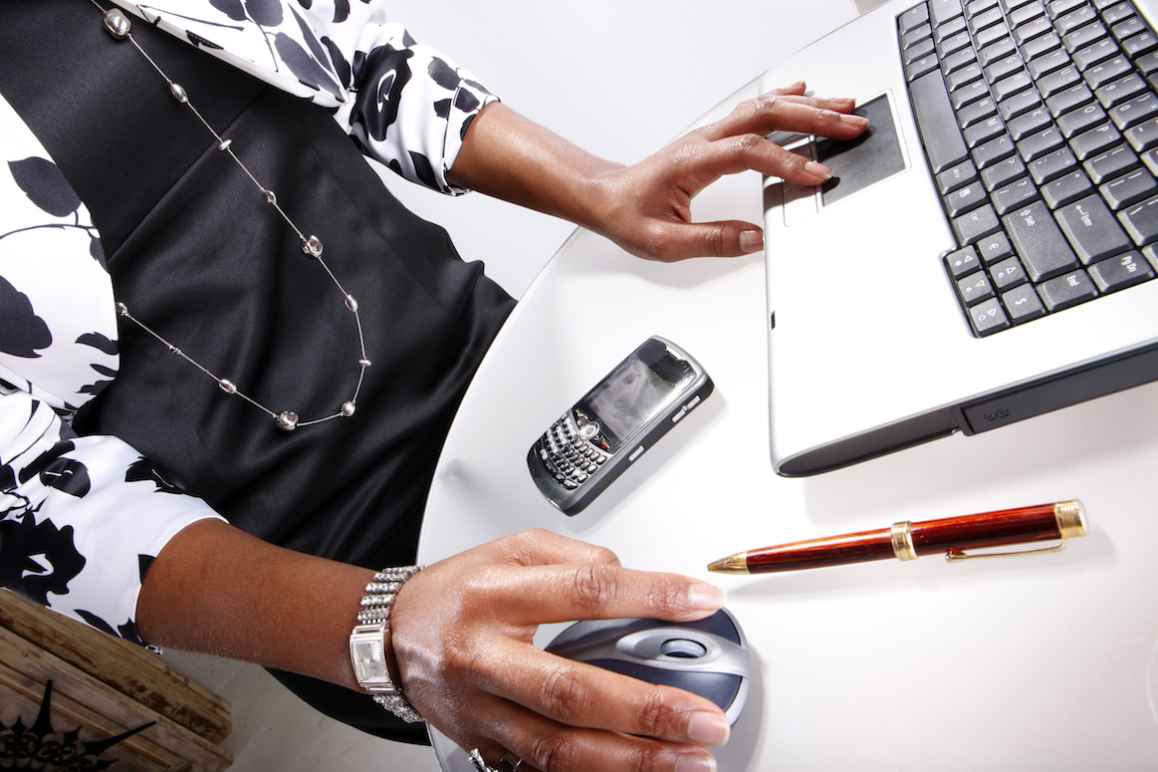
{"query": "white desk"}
{"type": "Point", "coordinates": [1048, 662]}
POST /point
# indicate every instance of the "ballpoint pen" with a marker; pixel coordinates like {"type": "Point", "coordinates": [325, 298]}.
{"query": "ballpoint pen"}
{"type": "Point", "coordinates": [907, 540]}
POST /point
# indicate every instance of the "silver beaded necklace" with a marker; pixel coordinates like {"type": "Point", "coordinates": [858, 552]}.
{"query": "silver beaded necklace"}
{"type": "Point", "coordinates": [117, 23]}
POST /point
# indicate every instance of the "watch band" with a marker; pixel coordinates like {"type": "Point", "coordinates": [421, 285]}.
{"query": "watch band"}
{"type": "Point", "coordinates": [370, 642]}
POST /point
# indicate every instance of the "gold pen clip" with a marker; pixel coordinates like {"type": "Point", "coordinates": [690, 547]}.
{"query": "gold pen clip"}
{"type": "Point", "coordinates": [1071, 521]}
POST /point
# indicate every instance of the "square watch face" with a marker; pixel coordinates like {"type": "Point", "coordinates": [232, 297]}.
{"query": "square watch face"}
{"type": "Point", "coordinates": [369, 659]}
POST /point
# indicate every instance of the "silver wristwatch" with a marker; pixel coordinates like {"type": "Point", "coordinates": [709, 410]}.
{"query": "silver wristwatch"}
{"type": "Point", "coordinates": [368, 642]}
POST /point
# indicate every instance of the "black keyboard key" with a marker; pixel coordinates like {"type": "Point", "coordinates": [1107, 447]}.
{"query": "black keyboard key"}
{"type": "Point", "coordinates": [943, 142]}
{"type": "Point", "coordinates": [1008, 273]}
{"type": "Point", "coordinates": [1120, 90]}
{"type": "Point", "coordinates": [1039, 46]}
{"type": "Point", "coordinates": [1014, 195]}
{"type": "Point", "coordinates": [962, 262]}
{"type": "Point", "coordinates": [994, 247]}
{"type": "Point", "coordinates": [1134, 110]}
{"type": "Point", "coordinates": [1002, 173]}
{"type": "Point", "coordinates": [994, 34]}
{"type": "Point", "coordinates": [916, 35]}
{"type": "Point", "coordinates": [913, 18]}
{"type": "Point", "coordinates": [1079, 17]}
{"type": "Point", "coordinates": [1052, 165]}
{"type": "Point", "coordinates": [974, 288]}
{"type": "Point", "coordinates": [1023, 304]}
{"type": "Point", "coordinates": [989, 153]}
{"type": "Point", "coordinates": [954, 62]}
{"type": "Point", "coordinates": [1095, 141]}
{"type": "Point", "coordinates": [988, 318]}
{"type": "Point", "coordinates": [1057, 81]}
{"type": "Point", "coordinates": [920, 50]}
{"type": "Point", "coordinates": [1040, 243]}
{"type": "Point", "coordinates": [950, 28]}
{"type": "Point", "coordinates": [1067, 290]}
{"type": "Point", "coordinates": [1128, 28]}
{"type": "Point", "coordinates": [984, 131]}
{"type": "Point", "coordinates": [1150, 158]}
{"type": "Point", "coordinates": [1140, 44]}
{"type": "Point", "coordinates": [986, 19]}
{"type": "Point", "coordinates": [978, 111]}
{"type": "Point", "coordinates": [975, 225]}
{"type": "Point", "coordinates": [1051, 62]}
{"type": "Point", "coordinates": [1003, 67]}
{"type": "Point", "coordinates": [1077, 121]}
{"type": "Point", "coordinates": [1038, 144]}
{"type": "Point", "coordinates": [1060, 7]}
{"type": "Point", "coordinates": [978, 7]}
{"type": "Point", "coordinates": [1084, 36]}
{"type": "Point", "coordinates": [1092, 229]}
{"type": "Point", "coordinates": [956, 176]}
{"type": "Point", "coordinates": [1024, 125]}
{"type": "Point", "coordinates": [963, 199]}
{"type": "Point", "coordinates": [941, 11]}
{"type": "Point", "coordinates": [1110, 164]}
{"type": "Point", "coordinates": [925, 64]}
{"type": "Point", "coordinates": [1107, 71]}
{"type": "Point", "coordinates": [1094, 54]}
{"type": "Point", "coordinates": [1151, 254]}
{"type": "Point", "coordinates": [967, 95]}
{"type": "Point", "coordinates": [1141, 221]}
{"type": "Point", "coordinates": [997, 50]}
{"type": "Point", "coordinates": [1143, 136]}
{"type": "Point", "coordinates": [1070, 99]}
{"type": "Point", "coordinates": [1013, 84]}
{"type": "Point", "coordinates": [964, 76]}
{"type": "Point", "coordinates": [1030, 30]}
{"type": "Point", "coordinates": [953, 44]}
{"type": "Point", "coordinates": [1129, 189]}
{"type": "Point", "coordinates": [1016, 105]}
{"type": "Point", "coordinates": [1147, 64]}
{"type": "Point", "coordinates": [1067, 188]}
{"type": "Point", "coordinates": [1120, 272]}
{"type": "Point", "coordinates": [1026, 13]}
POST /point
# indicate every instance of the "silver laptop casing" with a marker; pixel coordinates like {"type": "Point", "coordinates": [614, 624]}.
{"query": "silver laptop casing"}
{"type": "Point", "coordinates": [869, 350]}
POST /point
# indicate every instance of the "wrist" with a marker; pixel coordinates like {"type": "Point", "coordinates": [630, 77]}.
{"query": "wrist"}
{"type": "Point", "coordinates": [599, 197]}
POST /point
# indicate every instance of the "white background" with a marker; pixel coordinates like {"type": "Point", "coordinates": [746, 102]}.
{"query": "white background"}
{"type": "Point", "coordinates": [619, 78]}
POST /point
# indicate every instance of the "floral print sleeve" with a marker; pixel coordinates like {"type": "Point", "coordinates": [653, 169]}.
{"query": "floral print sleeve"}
{"type": "Point", "coordinates": [405, 104]}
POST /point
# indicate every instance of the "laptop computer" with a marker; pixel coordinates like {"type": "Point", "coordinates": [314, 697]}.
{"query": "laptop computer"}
{"type": "Point", "coordinates": [989, 252]}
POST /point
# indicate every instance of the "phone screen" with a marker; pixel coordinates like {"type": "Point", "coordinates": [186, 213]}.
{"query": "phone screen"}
{"type": "Point", "coordinates": [635, 392]}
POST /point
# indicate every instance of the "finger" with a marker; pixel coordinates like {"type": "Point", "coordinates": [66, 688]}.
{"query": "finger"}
{"type": "Point", "coordinates": [582, 695]}
{"type": "Point", "coordinates": [539, 546]}
{"type": "Point", "coordinates": [545, 594]}
{"type": "Point", "coordinates": [548, 746]}
{"type": "Point", "coordinates": [808, 115]}
{"type": "Point", "coordinates": [726, 238]}
{"type": "Point", "coordinates": [752, 151]}
{"type": "Point", "coordinates": [799, 87]}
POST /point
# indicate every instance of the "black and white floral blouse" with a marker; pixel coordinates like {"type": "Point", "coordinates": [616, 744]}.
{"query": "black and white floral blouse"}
{"type": "Point", "coordinates": [82, 518]}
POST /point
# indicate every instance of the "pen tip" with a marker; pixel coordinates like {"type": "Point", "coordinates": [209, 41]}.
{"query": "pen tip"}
{"type": "Point", "coordinates": [733, 564]}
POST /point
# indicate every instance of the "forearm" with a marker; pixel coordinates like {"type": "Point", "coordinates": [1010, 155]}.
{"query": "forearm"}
{"type": "Point", "coordinates": [510, 157]}
{"type": "Point", "coordinates": [217, 590]}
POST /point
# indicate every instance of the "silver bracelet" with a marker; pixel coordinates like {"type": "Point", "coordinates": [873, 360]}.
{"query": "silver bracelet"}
{"type": "Point", "coordinates": [368, 642]}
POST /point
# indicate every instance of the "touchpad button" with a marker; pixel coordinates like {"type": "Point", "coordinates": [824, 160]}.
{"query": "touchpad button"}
{"type": "Point", "coordinates": [871, 157]}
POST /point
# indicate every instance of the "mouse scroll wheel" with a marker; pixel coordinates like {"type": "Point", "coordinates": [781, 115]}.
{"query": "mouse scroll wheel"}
{"type": "Point", "coordinates": [683, 648]}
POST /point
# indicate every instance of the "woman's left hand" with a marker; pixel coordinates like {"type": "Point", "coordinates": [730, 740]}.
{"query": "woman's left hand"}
{"type": "Point", "coordinates": [648, 204]}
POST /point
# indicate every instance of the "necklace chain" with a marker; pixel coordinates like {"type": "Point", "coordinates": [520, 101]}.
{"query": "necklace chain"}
{"type": "Point", "coordinates": [117, 23]}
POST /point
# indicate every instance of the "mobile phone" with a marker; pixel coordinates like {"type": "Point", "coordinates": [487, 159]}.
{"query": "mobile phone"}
{"type": "Point", "coordinates": [615, 423]}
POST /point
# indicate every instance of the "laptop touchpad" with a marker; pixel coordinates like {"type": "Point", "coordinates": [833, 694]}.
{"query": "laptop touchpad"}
{"type": "Point", "coordinates": [869, 158]}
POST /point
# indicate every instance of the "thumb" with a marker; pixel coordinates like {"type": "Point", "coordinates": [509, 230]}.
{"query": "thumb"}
{"type": "Point", "coordinates": [724, 238]}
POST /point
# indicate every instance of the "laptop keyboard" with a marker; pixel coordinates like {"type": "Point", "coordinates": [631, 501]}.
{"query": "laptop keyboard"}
{"type": "Point", "coordinates": [1040, 125]}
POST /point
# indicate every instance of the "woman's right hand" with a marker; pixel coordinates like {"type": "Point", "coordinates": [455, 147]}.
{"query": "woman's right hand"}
{"type": "Point", "coordinates": [462, 637]}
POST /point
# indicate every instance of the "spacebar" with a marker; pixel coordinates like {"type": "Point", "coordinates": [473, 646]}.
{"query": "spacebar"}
{"type": "Point", "coordinates": [935, 119]}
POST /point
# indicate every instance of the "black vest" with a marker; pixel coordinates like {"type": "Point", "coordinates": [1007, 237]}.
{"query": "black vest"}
{"type": "Point", "coordinates": [196, 253]}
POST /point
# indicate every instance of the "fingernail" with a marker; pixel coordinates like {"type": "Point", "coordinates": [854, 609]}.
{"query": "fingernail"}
{"type": "Point", "coordinates": [708, 728]}
{"type": "Point", "coordinates": [697, 763]}
{"type": "Point", "coordinates": [750, 241]}
{"type": "Point", "coordinates": [855, 120]}
{"type": "Point", "coordinates": [818, 170]}
{"type": "Point", "coordinates": [705, 597]}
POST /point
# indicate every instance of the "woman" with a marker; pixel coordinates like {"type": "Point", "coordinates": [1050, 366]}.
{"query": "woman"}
{"type": "Point", "coordinates": [211, 309]}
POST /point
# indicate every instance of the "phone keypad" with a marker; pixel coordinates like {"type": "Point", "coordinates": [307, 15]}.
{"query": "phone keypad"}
{"type": "Point", "coordinates": [569, 458]}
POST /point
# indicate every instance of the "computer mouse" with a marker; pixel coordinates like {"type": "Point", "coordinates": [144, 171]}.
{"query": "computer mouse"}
{"type": "Point", "coordinates": [709, 658]}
